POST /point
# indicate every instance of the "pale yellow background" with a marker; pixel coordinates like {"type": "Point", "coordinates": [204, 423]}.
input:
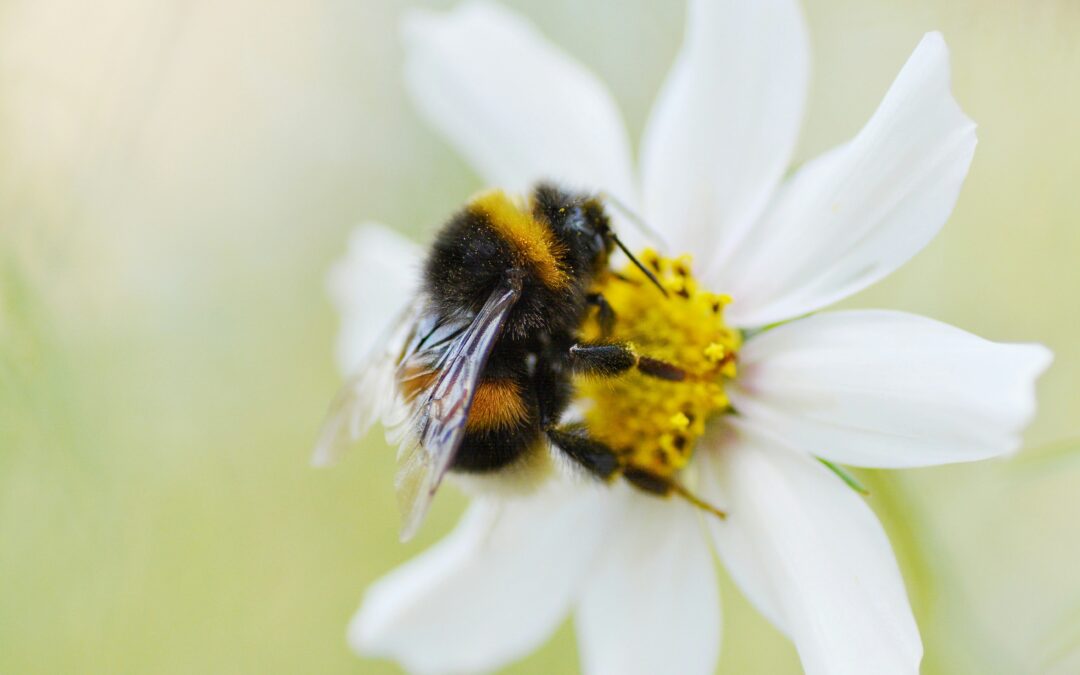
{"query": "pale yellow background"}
{"type": "Point", "coordinates": [176, 178]}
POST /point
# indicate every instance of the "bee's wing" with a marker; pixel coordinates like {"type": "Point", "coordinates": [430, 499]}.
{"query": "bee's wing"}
{"type": "Point", "coordinates": [437, 425]}
{"type": "Point", "coordinates": [370, 394]}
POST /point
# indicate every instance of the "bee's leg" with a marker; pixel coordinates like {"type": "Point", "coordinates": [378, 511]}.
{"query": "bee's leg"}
{"type": "Point", "coordinates": [605, 315]}
{"type": "Point", "coordinates": [665, 486]}
{"type": "Point", "coordinates": [603, 462]}
{"type": "Point", "coordinates": [594, 456]}
{"type": "Point", "coordinates": [615, 358]}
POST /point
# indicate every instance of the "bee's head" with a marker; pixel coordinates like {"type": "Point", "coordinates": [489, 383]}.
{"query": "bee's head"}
{"type": "Point", "coordinates": [589, 224]}
{"type": "Point", "coordinates": [579, 223]}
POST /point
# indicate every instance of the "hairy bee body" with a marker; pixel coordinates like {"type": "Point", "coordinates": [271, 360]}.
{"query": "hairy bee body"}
{"type": "Point", "coordinates": [482, 364]}
{"type": "Point", "coordinates": [558, 245]}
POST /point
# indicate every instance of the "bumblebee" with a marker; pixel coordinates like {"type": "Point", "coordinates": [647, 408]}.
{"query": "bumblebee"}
{"type": "Point", "coordinates": [483, 363]}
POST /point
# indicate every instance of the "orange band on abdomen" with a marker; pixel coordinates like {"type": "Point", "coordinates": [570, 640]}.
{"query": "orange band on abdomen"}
{"type": "Point", "coordinates": [497, 404]}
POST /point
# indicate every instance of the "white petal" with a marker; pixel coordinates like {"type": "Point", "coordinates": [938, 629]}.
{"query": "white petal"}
{"type": "Point", "coordinates": [652, 604]}
{"type": "Point", "coordinates": [489, 593]}
{"type": "Point", "coordinates": [513, 104]}
{"type": "Point", "coordinates": [820, 565]}
{"type": "Point", "coordinates": [724, 127]}
{"type": "Point", "coordinates": [370, 287]}
{"type": "Point", "coordinates": [863, 209]}
{"type": "Point", "coordinates": [888, 389]}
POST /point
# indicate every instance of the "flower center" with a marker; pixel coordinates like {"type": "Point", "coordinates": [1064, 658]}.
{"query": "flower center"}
{"type": "Point", "coordinates": [654, 423]}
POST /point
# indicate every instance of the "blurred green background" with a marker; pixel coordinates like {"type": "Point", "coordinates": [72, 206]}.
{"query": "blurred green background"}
{"type": "Point", "coordinates": [175, 180]}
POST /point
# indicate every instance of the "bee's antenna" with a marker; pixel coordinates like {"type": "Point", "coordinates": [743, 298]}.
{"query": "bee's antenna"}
{"type": "Point", "coordinates": [645, 270]}
{"type": "Point", "coordinates": [634, 218]}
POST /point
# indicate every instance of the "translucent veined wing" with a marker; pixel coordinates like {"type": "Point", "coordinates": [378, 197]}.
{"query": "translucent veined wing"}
{"type": "Point", "coordinates": [437, 424]}
{"type": "Point", "coordinates": [371, 393]}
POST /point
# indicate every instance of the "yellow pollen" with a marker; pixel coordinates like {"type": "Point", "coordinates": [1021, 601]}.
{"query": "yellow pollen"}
{"type": "Point", "coordinates": [655, 423]}
{"type": "Point", "coordinates": [680, 421]}
{"type": "Point", "coordinates": [715, 352]}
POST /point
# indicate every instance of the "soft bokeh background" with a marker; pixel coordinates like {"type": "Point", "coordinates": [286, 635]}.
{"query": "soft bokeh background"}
{"type": "Point", "coordinates": [175, 179]}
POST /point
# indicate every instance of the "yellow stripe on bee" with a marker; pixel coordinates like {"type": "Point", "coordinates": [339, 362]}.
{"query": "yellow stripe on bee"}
{"type": "Point", "coordinates": [497, 404]}
{"type": "Point", "coordinates": [531, 239]}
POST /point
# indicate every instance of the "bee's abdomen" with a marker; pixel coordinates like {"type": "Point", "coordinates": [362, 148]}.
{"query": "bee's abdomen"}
{"type": "Point", "coordinates": [498, 404]}
{"type": "Point", "coordinates": [494, 449]}
{"type": "Point", "coordinates": [502, 427]}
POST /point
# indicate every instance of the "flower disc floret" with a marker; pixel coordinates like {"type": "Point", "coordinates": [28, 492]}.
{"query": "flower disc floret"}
{"type": "Point", "coordinates": [654, 423]}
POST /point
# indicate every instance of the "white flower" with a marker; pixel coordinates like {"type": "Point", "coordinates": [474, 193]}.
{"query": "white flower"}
{"type": "Point", "coordinates": [865, 388]}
